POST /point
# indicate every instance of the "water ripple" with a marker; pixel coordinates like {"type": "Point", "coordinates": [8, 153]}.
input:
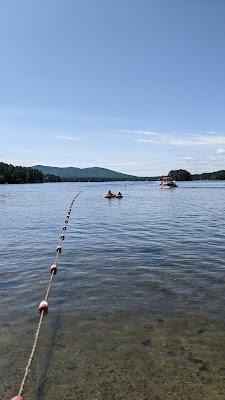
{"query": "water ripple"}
{"type": "Point", "coordinates": [154, 250]}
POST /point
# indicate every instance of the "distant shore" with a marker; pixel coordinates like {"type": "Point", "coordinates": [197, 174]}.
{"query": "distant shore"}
{"type": "Point", "coordinates": [21, 175]}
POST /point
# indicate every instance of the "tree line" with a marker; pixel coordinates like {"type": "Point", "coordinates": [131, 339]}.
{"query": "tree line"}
{"type": "Point", "coordinates": [55, 178]}
{"type": "Point", "coordinates": [11, 174]}
{"type": "Point", "coordinates": [217, 175]}
{"type": "Point", "coordinates": [18, 174]}
{"type": "Point", "coordinates": [183, 175]}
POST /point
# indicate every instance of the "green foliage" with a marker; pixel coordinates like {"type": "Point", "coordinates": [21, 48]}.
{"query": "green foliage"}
{"type": "Point", "coordinates": [52, 178]}
{"type": "Point", "coordinates": [180, 175]}
{"type": "Point", "coordinates": [217, 175]}
{"type": "Point", "coordinates": [11, 174]}
{"type": "Point", "coordinates": [183, 175]}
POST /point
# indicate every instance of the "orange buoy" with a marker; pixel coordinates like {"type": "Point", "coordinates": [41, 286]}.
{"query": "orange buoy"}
{"type": "Point", "coordinates": [53, 269]}
{"type": "Point", "coordinates": [58, 249]}
{"type": "Point", "coordinates": [43, 306]}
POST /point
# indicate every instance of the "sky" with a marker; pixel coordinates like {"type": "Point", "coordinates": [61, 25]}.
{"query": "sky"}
{"type": "Point", "coordinates": [137, 86]}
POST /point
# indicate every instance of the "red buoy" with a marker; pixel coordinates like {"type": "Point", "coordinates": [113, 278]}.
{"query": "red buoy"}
{"type": "Point", "coordinates": [17, 398]}
{"type": "Point", "coordinates": [53, 269]}
{"type": "Point", "coordinates": [58, 249]}
{"type": "Point", "coordinates": [43, 306]}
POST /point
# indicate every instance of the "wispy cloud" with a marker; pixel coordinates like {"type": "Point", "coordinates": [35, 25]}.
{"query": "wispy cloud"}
{"type": "Point", "coordinates": [184, 139]}
{"type": "Point", "coordinates": [220, 151]}
{"type": "Point", "coordinates": [187, 158]}
{"type": "Point", "coordinates": [63, 137]}
{"type": "Point", "coordinates": [202, 160]}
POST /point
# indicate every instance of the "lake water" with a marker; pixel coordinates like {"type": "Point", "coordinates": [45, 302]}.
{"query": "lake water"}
{"type": "Point", "coordinates": [136, 310]}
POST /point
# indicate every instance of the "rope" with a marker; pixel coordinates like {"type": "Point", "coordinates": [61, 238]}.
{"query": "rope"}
{"type": "Point", "coordinates": [27, 369]}
{"type": "Point", "coordinates": [49, 285]}
{"type": "Point", "coordinates": [37, 333]}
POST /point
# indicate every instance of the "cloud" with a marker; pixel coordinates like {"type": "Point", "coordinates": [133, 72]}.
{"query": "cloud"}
{"type": "Point", "coordinates": [184, 139]}
{"type": "Point", "coordinates": [187, 158]}
{"type": "Point", "coordinates": [63, 137]}
{"type": "Point", "coordinates": [220, 151]}
{"type": "Point", "coordinates": [202, 160]}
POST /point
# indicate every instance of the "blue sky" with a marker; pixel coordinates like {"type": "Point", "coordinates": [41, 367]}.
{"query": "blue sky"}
{"type": "Point", "coordinates": [135, 86]}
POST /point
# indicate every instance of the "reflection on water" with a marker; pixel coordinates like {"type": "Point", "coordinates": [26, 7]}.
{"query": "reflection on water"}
{"type": "Point", "coordinates": [138, 279]}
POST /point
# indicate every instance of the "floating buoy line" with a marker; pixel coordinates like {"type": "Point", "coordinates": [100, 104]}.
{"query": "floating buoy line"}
{"type": "Point", "coordinates": [43, 306]}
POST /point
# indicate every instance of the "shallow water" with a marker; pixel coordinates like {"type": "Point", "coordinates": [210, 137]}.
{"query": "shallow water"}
{"type": "Point", "coordinates": [136, 310]}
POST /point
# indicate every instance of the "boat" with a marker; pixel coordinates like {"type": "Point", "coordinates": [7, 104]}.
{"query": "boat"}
{"type": "Point", "coordinates": [167, 182]}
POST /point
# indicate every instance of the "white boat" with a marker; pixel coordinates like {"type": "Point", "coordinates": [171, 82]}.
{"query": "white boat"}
{"type": "Point", "coordinates": [167, 182]}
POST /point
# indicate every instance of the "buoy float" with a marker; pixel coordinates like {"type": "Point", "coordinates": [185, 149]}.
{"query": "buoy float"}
{"type": "Point", "coordinates": [58, 249]}
{"type": "Point", "coordinates": [17, 398]}
{"type": "Point", "coordinates": [43, 306]}
{"type": "Point", "coordinates": [53, 269]}
{"type": "Point", "coordinates": [43, 309]}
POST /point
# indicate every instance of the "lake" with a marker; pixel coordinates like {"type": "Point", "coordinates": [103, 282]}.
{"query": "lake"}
{"type": "Point", "coordinates": [136, 310]}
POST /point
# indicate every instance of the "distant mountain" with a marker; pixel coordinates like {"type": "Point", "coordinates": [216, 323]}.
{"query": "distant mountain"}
{"type": "Point", "coordinates": [84, 173]}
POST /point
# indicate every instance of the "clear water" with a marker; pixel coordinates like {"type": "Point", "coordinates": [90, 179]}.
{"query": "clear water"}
{"type": "Point", "coordinates": [155, 252]}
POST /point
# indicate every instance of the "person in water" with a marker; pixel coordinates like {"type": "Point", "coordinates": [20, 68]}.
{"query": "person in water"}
{"type": "Point", "coordinates": [110, 194]}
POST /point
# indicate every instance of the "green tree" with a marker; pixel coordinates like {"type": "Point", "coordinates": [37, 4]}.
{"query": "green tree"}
{"type": "Point", "coordinates": [18, 174]}
{"type": "Point", "coordinates": [180, 175]}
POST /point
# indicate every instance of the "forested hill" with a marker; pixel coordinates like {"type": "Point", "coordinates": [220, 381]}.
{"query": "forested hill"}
{"type": "Point", "coordinates": [84, 173]}
{"type": "Point", "coordinates": [216, 175]}
{"type": "Point", "coordinates": [183, 175]}
{"type": "Point", "coordinates": [11, 174]}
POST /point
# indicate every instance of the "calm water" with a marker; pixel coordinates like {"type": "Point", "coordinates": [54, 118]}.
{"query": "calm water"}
{"type": "Point", "coordinates": [158, 252]}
